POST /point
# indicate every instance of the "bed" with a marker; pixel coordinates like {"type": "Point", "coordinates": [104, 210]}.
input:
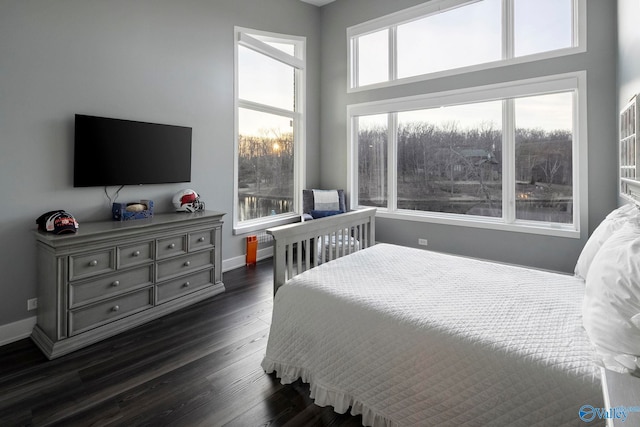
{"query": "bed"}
{"type": "Point", "coordinates": [405, 336]}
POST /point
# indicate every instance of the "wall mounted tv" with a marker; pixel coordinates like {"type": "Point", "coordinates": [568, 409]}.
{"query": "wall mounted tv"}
{"type": "Point", "coordinates": [111, 151]}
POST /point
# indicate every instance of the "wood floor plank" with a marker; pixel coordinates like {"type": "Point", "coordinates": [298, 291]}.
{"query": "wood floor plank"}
{"type": "Point", "coordinates": [122, 375]}
{"type": "Point", "coordinates": [192, 343]}
{"type": "Point", "coordinates": [172, 396]}
{"type": "Point", "coordinates": [277, 410]}
{"type": "Point", "coordinates": [103, 414]}
{"type": "Point", "coordinates": [232, 388]}
{"type": "Point", "coordinates": [17, 357]}
{"type": "Point", "coordinates": [197, 366]}
{"type": "Point", "coordinates": [215, 400]}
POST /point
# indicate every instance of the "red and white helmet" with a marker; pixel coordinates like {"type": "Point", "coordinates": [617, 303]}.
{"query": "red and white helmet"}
{"type": "Point", "coordinates": [187, 200]}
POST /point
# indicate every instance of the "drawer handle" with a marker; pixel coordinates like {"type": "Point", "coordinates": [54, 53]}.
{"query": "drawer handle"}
{"type": "Point", "coordinates": [136, 253]}
{"type": "Point", "coordinates": [187, 263]}
{"type": "Point", "coordinates": [93, 263]}
{"type": "Point", "coordinates": [201, 239]}
{"type": "Point", "coordinates": [186, 285]}
{"type": "Point", "coordinates": [116, 283]}
{"type": "Point", "coordinates": [172, 246]}
{"type": "Point", "coordinates": [115, 308]}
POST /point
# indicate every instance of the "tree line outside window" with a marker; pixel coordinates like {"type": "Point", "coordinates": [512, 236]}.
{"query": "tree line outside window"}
{"type": "Point", "coordinates": [445, 167]}
{"type": "Point", "coordinates": [265, 174]}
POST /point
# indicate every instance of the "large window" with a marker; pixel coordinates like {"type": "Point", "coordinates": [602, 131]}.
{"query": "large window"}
{"type": "Point", "coordinates": [504, 156]}
{"type": "Point", "coordinates": [269, 127]}
{"type": "Point", "coordinates": [459, 35]}
{"type": "Point", "coordinates": [449, 159]}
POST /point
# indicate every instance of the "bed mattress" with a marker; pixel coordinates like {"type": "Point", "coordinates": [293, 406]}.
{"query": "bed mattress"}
{"type": "Point", "coordinates": [406, 336]}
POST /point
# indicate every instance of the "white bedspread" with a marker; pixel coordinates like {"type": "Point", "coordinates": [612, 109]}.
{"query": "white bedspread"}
{"type": "Point", "coordinates": [411, 337]}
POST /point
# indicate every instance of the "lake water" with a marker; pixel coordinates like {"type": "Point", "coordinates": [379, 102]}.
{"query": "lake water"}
{"type": "Point", "coordinates": [252, 207]}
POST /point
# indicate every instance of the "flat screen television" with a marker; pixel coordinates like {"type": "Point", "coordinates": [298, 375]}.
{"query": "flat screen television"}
{"type": "Point", "coordinates": [110, 151]}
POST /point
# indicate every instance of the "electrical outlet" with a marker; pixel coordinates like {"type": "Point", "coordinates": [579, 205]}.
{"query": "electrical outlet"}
{"type": "Point", "coordinates": [422, 242]}
{"type": "Point", "coordinates": [32, 304]}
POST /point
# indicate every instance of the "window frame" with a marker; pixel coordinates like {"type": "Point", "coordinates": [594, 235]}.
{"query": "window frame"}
{"type": "Point", "coordinates": [243, 37]}
{"type": "Point", "coordinates": [392, 21]}
{"type": "Point", "coordinates": [507, 91]}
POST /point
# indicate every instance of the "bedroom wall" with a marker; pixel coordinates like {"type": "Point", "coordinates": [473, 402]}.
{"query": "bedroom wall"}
{"type": "Point", "coordinates": [628, 51]}
{"type": "Point", "coordinates": [528, 249]}
{"type": "Point", "coordinates": [152, 60]}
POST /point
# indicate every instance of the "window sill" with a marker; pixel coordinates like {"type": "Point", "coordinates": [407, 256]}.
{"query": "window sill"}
{"type": "Point", "coordinates": [264, 223]}
{"type": "Point", "coordinates": [546, 229]}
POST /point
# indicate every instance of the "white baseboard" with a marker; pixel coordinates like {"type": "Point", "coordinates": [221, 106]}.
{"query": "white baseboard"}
{"type": "Point", "coordinates": [240, 261]}
{"type": "Point", "coordinates": [22, 328]}
{"type": "Point", "coordinates": [17, 330]}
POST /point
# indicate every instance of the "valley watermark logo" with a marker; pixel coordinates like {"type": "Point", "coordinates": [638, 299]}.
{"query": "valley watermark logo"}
{"type": "Point", "coordinates": [588, 413]}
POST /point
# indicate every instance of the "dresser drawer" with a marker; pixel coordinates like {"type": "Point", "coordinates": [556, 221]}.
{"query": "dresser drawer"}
{"type": "Point", "coordinates": [95, 315]}
{"type": "Point", "coordinates": [111, 285]}
{"type": "Point", "coordinates": [201, 240]}
{"type": "Point", "coordinates": [171, 246]}
{"type": "Point", "coordinates": [174, 288]}
{"type": "Point", "coordinates": [135, 254]}
{"type": "Point", "coordinates": [92, 264]}
{"type": "Point", "coordinates": [184, 264]}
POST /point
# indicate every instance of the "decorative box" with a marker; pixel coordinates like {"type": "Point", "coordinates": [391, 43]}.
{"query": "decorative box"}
{"type": "Point", "coordinates": [121, 213]}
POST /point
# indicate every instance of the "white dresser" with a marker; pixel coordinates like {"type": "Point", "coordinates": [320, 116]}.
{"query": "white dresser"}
{"type": "Point", "coordinates": [112, 276]}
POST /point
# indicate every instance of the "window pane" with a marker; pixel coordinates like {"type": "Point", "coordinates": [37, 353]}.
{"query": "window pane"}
{"type": "Point", "coordinates": [264, 80]}
{"type": "Point", "coordinates": [459, 37]}
{"type": "Point", "coordinates": [373, 58]}
{"type": "Point", "coordinates": [372, 160]}
{"type": "Point", "coordinates": [450, 159]}
{"type": "Point", "coordinates": [265, 164]}
{"type": "Point", "coordinates": [544, 173]}
{"type": "Point", "coordinates": [542, 25]}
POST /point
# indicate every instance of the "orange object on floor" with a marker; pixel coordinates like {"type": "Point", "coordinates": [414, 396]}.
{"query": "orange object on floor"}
{"type": "Point", "coordinates": [252, 250]}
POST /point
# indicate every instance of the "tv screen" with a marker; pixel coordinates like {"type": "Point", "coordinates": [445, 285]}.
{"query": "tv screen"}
{"type": "Point", "coordinates": [111, 151]}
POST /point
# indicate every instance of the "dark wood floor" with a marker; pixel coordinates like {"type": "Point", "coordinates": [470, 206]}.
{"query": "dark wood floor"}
{"type": "Point", "coordinates": [196, 367]}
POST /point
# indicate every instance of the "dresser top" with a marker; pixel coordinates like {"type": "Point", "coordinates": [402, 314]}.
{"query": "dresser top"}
{"type": "Point", "coordinates": [95, 228]}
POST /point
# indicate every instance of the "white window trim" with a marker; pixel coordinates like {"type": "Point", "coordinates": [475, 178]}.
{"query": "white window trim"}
{"type": "Point", "coordinates": [391, 21]}
{"type": "Point", "coordinates": [242, 37]}
{"type": "Point", "coordinates": [548, 84]}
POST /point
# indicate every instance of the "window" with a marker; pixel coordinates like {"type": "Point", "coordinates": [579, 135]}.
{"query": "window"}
{"type": "Point", "coordinates": [439, 35]}
{"type": "Point", "coordinates": [543, 157]}
{"type": "Point", "coordinates": [504, 156]}
{"type": "Point", "coordinates": [456, 35]}
{"type": "Point", "coordinates": [377, 66]}
{"type": "Point", "coordinates": [373, 132]}
{"type": "Point", "coordinates": [449, 159]}
{"type": "Point", "coordinates": [269, 143]}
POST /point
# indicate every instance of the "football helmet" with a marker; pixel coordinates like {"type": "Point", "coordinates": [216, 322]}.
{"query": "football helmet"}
{"type": "Point", "coordinates": [57, 222]}
{"type": "Point", "coordinates": [187, 200]}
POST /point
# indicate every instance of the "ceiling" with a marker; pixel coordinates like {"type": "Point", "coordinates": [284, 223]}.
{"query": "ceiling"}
{"type": "Point", "coordinates": [318, 2]}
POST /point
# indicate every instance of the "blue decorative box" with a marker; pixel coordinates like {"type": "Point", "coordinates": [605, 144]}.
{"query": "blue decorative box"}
{"type": "Point", "coordinates": [120, 213]}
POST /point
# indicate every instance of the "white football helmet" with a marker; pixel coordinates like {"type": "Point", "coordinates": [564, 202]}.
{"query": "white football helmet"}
{"type": "Point", "coordinates": [187, 200]}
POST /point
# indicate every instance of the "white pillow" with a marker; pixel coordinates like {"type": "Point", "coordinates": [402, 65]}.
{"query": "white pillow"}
{"type": "Point", "coordinates": [626, 211]}
{"type": "Point", "coordinates": [612, 299]}
{"type": "Point", "coordinates": [613, 222]}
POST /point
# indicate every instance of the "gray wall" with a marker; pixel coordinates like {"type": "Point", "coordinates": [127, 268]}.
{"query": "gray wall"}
{"type": "Point", "coordinates": [152, 60]}
{"type": "Point", "coordinates": [528, 249]}
{"type": "Point", "coordinates": [628, 50]}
